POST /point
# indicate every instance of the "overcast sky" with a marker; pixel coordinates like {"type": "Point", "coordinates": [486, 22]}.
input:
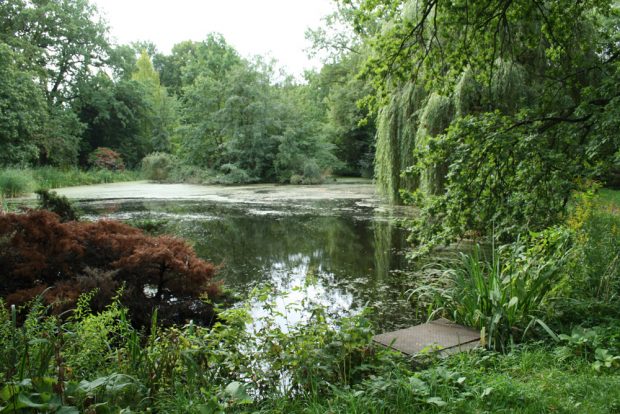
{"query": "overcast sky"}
{"type": "Point", "coordinates": [273, 28]}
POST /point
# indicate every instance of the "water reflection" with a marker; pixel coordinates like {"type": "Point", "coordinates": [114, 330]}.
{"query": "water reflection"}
{"type": "Point", "coordinates": [337, 253]}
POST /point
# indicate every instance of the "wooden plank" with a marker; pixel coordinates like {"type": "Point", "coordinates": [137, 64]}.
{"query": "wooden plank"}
{"type": "Point", "coordinates": [440, 336]}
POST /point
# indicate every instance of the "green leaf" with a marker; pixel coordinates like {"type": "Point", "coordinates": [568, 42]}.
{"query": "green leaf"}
{"type": "Point", "coordinates": [419, 386]}
{"type": "Point", "coordinates": [513, 302]}
{"type": "Point", "coordinates": [436, 401]}
{"type": "Point", "coordinates": [8, 391]}
{"type": "Point", "coordinates": [238, 393]}
{"type": "Point", "coordinates": [25, 401]}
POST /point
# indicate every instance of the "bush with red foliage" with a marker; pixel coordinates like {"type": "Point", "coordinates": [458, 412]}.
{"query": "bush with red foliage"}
{"type": "Point", "coordinates": [39, 253]}
{"type": "Point", "coordinates": [107, 159]}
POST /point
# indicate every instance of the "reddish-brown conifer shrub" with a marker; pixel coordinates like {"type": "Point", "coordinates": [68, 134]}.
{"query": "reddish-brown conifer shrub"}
{"type": "Point", "coordinates": [41, 254]}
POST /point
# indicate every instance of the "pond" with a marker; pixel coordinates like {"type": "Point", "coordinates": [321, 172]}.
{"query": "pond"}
{"type": "Point", "coordinates": [336, 245]}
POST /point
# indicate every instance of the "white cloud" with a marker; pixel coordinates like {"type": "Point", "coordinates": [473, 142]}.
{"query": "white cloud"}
{"type": "Point", "coordinates": [273, 28]}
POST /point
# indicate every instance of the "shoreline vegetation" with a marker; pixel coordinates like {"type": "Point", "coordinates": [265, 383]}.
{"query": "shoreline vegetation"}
{"type": "Point", "coordinates": [15, 182]}
{"type": "Point", "coordinates": [98, 360]}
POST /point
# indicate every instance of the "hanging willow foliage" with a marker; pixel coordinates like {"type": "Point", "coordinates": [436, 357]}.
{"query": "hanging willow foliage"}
{"type": "Point", "coordinates": [436, 117]}
{"type": "Point", "coordinates": [467, 94]}
{"type": "Point", "coordinates": [509, 87]}
{"type": "Point", "coordinates": [412, 119]}
{"type": "Point", "coordinates": [397, 125]}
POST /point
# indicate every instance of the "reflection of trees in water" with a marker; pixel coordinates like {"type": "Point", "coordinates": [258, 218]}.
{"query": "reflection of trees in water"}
{"type": "Point", "coordinates": [352, 258]}
{"type": "Point", "coordinates": [249, 245]}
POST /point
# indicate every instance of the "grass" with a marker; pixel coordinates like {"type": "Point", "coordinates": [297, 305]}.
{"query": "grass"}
{"type": "Point", "coordinates": [528, 380]}
{"type": "Point", "coordinates": [610, 199]}
{"type": "Point", "coordinates": [50, 177]}
{"type": "Point", "coordinates": [16, 182]}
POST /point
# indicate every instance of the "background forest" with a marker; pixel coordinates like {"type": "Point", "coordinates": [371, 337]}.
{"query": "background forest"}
{"type": "Point", "coordinates": [67, 91]}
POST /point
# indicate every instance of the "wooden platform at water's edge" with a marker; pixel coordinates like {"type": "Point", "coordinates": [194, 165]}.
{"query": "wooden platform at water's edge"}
{"type": "Point", "coordinates": [440, 336]}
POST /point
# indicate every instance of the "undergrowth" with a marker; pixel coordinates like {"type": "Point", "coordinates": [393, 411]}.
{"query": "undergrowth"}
{"type": "Point", "coordinates": [99, 362]}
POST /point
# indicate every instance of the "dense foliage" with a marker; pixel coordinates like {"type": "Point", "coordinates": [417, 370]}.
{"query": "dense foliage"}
{"type": "Point", "coordinates": [490, 114]}
{"type": "Point", "coordinates": [61, 260]}
{"type": "Point", "coordinates": [67, 93]}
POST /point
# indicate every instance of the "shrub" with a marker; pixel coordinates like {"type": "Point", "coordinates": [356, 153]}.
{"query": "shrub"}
{"type": "Point", "coordinates": [158, 166]}
{"type": "Point", "coordinates": [40, 252]}
{"type": "Point", "coordinates": [296, 179]}
{"type": "Point", "coordinates": [107, 159]}
{"type": "Point", "coordinates": [185, 173]}
{"type": "Point", "coordinates": [312, 173]}
{"type": "Point", "coordinates": [234, 175]}
{"type": "Point", "coordinates": [49, 200]}
{"type": "Point", "coordinates": [14, 182]}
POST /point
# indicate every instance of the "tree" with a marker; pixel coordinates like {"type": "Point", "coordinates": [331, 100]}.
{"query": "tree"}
{"type": "Point", "coordinates": [346, 124]}
{"type": "Point", "coordinates": [60, 40]}
{"type": "Point", "coordinates": [114, 114]}
{"type": "Point", "coordinates": [160, 124]}
{"type": "Point", "coordinates": [61, 44]}
{"type": "Point", "coordinates": [510, 106]}
{"type": "Point", "coordinates": [23, 112]}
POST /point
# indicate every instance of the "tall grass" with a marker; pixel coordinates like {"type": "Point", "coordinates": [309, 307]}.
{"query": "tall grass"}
{"type": "Point", "coordinates": [503, 296]}
{"type": "Point", "coordinates": [50, 177]}
{"type": "Point", "coordinates": [15, 182]}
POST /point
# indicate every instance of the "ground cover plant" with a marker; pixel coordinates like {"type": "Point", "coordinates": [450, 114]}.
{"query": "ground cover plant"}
{"type": "Point", "coordinates": [99, 361]}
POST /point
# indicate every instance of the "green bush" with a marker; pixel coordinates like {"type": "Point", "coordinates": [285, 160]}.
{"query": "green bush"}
{"type": "Point", "coordinates": [312, 173]}
{"type": "Point", "coordinates": [184, 173]}
{"type": "Point", "coordinates": [233, 174]}
{"type": "Point", "coordinates": [49, 200]}
{"type": "Point", "coordinates": [296, 179]}
{"type": "Point", "coordinates": [158, 166]}
{"type": "Point", "coordinates": [15, 182]}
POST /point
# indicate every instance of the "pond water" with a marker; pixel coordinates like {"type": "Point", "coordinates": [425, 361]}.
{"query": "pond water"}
{"type": "Point", "coordinates": [342, 248]}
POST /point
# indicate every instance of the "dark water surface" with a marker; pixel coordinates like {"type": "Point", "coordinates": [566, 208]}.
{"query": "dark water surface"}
{"type": "Point", "coordinates": [344, 254]}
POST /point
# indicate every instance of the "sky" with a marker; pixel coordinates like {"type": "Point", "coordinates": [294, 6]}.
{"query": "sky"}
{"type": "Point", "coordinates": [270, 28]}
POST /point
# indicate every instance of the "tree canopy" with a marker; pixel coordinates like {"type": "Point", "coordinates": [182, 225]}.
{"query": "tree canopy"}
{"type": "Point", "coordinates": [489, 114]}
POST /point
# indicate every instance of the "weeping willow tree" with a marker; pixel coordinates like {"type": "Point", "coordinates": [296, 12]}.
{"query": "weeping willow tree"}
{"type": "Point", "coordinates": [436, 117]}
{"type": "Point", "coordinates": [521, 108]}
{"type": "Point", "coordinates": [397, 125]}
{"type": "Point", "coordinates": [413, 120]}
